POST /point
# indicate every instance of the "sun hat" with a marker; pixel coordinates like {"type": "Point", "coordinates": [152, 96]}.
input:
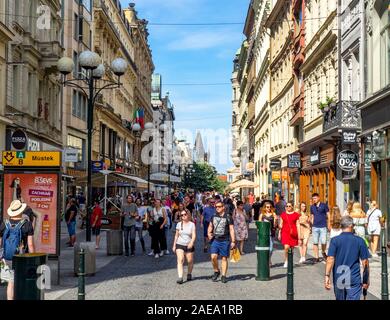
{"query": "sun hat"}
{"type": "Point", "coordinates": [16, 208]}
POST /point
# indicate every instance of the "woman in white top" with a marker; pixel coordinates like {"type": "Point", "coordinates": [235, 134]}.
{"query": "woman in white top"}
{"type": "Point", "coordinates": [359, 220]}
{"type": "Point", "coordinates": [374, 216]}
{"type": "Point", "coordinates": [183, 244]}
{"type": "Point", "coordinates": [335, 222]}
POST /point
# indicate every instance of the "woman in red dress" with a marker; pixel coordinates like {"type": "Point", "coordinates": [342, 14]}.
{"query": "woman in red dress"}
{"type": "Point", "coordinates": [289, 226]}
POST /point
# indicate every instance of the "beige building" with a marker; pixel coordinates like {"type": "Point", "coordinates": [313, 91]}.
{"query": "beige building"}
{"type": "Point", "coordinates": [77, 37]}
{"type": "Point", "coordinates": [29, 50]}
{"type": "Point", "coordinates": [320, 76]}
{"type": "Point", "coordinates": [282, 138]}
{"type": "Point", "coordinates": [119, 33]}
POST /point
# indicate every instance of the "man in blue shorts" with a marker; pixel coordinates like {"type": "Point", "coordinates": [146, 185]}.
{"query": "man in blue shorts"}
{"type": "Point", "coordinates": [205, 219]}
{"type": "Point", "coordinates": [222, 239]}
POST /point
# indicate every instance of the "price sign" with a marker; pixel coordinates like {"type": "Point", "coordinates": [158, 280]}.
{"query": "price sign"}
{"type": "Point", "coordinates": [347, 160]}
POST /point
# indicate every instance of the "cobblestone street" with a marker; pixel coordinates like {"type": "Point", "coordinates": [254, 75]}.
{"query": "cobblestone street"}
{"type": "Point", "coordinates": [146, 278]}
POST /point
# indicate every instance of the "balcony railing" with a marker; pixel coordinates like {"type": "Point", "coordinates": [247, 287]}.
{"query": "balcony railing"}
{"type": "Point", "coordinates": [344, 115]}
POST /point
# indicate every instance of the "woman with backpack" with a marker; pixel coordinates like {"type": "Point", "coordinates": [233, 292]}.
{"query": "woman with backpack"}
{"type": "Point", "coordinates": [158, 219]}
{"type": "Point", "coordinates": [184, 244]}
{"type": "Point", "coordinates": [16, 237]}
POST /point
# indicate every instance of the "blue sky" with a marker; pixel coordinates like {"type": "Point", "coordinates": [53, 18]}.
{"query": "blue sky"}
{"type": "Point", "coordinates": [197, 54]}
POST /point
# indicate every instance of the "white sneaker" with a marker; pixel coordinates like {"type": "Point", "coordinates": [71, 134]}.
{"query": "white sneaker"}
{"type": "Point", "coordinates": [156, 256]}
{"type": "Point", "coordinates": [285, 264]}
{"type": "Point", "coordinates": [161, 254]}
{"type": "Point", "coordinates": [150, 253]}
{"type": "Point", "coordinates": [303, 259]}
{"type": "Point", "coordinates": [375, 255]}
{"type": "Point", "coordinates": [300, 260]}
{"type": "Point", "coordinates": [166, 252]}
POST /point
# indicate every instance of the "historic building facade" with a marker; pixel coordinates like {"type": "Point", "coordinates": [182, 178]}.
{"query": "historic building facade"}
{"type": "Point", "coordinates": [282, 140]}
{"type": "Point", "coordinates": [33, 92]}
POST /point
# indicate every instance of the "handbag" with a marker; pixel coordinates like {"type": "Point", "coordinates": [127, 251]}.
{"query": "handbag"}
{"type": "Point", "coordinates": [235, 255]}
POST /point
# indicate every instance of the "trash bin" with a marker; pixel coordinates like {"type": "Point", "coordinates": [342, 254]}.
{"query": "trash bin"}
{"type": "Point", "coordinates": [90, 258]}
{"type": "Point", "coordinates": [114, 242]}
{"type": "Point", "coordinates": [263, 250]}
{"type": "Point", "coordinates": [25, 281]}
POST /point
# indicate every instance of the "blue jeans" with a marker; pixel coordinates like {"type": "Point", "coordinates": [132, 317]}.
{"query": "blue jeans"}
{"type": "Point", "coordinates": [352, 293]}
{"type": "Point", "coordinates": [129, 231]}
{"type": "Point", "coordinates": [319, 235]}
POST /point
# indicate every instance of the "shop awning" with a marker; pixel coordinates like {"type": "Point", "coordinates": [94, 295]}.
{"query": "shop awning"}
{"type": "Point", "coordinates": [98, 180]}
{"type": "Point", "coordinates": [140, 183]}
{"type": "Point", "coordinates": [244, 183]}
{"type": "Point", "coordinates": [162, 176]}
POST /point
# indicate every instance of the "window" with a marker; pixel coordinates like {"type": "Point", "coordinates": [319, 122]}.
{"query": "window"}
{"type": "Point", "coordinates": [102, 139]}
{"type": "Point", "coordinates": [76, 27]}
{"type": "Point", "coordinates": [76, 63]}
{"type": "Point", "coordinates": [15, 86]}
{"type": "Point", "coordinates": [79, 105]}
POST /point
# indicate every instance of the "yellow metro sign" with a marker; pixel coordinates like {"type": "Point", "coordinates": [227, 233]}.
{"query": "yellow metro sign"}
{"type": "Point", "coordinates": [31, 158]}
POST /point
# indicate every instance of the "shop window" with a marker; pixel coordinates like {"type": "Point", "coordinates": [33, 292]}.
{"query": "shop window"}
{"type": "Point", "coordinates": [378, 145]}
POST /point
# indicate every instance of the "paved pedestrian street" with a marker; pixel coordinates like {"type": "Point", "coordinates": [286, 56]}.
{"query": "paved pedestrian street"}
{"type": "Point", "coordinates": [146, 278]}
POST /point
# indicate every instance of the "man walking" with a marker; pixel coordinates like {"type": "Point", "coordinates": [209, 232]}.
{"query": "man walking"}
{"type": "Point", "coordinates": [205, 219]}
{"type": "Point", "coordinates": [319, 220]}
{"type": "Point", "coordinates": [344, 256]}
{"type": "Point", "coordinates": [222, 237]}
{"type": "Point", "coordinates": [130, 213]}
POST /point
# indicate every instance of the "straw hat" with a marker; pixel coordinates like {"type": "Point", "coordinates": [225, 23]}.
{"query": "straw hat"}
{"type": "Point", "coordinates": [16, 208]}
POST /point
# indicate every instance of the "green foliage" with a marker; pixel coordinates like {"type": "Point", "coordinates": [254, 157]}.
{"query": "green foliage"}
{"type": "Point", "coordinates": [204, 179]}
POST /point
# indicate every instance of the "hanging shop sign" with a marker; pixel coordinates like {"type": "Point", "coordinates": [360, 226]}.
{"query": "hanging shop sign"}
{"type": "Point", "coordinates": [294, 160]}
{"type": "Point", "coordinates": [71, 155]}
{"type": "Point", "coordinates": [276, 176]}
{"type": "Point", "coordinates": [19, 140]}
{"type": "Point", "coordinates": [250, 167]}
{"type": "Point", "coordinates": [97, 166]}
{"type": "Point", "coordinates": [315, 156]}
{"type": "Point", "coordinates": [275, 165]}
{"type": "Point", "coordinates": [349, 137]}
{"type": "Point", "coordinates": [347, 160]}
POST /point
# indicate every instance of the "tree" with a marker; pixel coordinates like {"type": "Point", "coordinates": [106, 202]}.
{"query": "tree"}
{"type": "Point", "coordinates": [204, 178]}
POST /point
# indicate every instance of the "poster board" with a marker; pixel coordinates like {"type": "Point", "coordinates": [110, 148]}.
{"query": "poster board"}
{"type": "Point", "coordinates": [40, 191]}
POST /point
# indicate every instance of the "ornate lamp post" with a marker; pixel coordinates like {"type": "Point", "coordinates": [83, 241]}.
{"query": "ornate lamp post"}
{"type": "Point", "coordinates": [91, 83]}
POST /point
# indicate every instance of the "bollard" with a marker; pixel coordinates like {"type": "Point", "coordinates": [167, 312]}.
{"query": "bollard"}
{"type": "Point", "coordinates": [290, 275]}
{"type": "Point", "coordinates": [81, 274]}
{"type": "Point", "coordinates": [263, 250]}
{"type": "Point", "coordinates": [384, 274]}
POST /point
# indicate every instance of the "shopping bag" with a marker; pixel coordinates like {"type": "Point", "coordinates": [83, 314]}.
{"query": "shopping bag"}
{"type": "Point", "coordinates": [235, 255]}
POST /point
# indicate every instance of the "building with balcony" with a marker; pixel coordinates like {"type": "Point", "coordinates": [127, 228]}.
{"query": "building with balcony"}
{"type": "Point", "coordinates": [282, 139]}
{"type": "Point", "coordinates": [120, 33]}
{"type": "Point", "coordinates": [77, 37]}
{"type": "Point", "coordinates": [320, 71]}
{"type": "Point", "coordinates": [374, 105]}
{"type": "Point", "coordinates": [30, 50]}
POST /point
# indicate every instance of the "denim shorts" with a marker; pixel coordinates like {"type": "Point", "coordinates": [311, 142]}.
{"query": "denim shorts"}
{"type": "Point", "coordinates": [319, 235]}
{"type": "Point", "coordinates": [72, 228]}
{"type": "Point", "coordinates": [220, 247]}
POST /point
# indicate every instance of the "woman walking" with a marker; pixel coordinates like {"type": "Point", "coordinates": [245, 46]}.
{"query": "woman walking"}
{"type": "Point", "coordinates": [183, 244]}
{"type": "Point", "coordinates": [359, 220]}
{"type": "Point", "coordinates": [348, 211]}
{"type": "Point", "coordinates": [290, 230]}
{"type": "Point", "coordinates": [240, 226]}
{"type": "Point", "coordinates": [305, 228]}
{"type": "Point", "coordinates": [335, 222]}
{"type": "Point", "coordinates": [374, 216]}
{"type": "Point", "coordinates": [158, 219]}
{"type": "Point", "coordinates": [268, 215]}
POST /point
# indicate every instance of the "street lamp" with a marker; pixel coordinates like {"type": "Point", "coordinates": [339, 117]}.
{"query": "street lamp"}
{"type": "Point", "coordinates": [89, 83]}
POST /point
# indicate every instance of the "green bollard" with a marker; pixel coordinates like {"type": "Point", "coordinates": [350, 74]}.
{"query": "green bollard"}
{"type": "Point", "coordinates": [290, 275]}
{"type": "Point", "coordinates": [263, 250]}
{"type": "Point", "coordinates": [384, 274]}
{"type": "Point", "coordinates": [81, 293]}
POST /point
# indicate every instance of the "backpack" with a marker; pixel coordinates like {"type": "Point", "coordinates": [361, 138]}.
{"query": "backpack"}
{"type": "Point", "coordinates": [12, 238]}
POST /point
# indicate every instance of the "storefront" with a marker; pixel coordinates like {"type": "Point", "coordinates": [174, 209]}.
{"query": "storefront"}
{"type": "Point", "coordinates": [375, 146]}
{"type": "Point", "coordinates": [318, 175]}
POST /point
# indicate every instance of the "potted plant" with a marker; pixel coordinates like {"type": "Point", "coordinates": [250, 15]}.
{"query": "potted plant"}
{"type": "Point", "coordinates": [322, 106]}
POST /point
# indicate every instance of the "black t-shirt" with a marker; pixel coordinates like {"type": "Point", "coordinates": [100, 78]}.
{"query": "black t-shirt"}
{"type": "Point", "coordinates": [68, 212]}
{"type": "Point", "coordinates": [27, 230]}
{"type": "Point", "coordinates": [30, 214]}
{"type": "Point", "coordinates": [191, 207]}
{"type": "Point", "coordinates": [256, 208]}
{"type": "Point", "coordinates": [221, 226]}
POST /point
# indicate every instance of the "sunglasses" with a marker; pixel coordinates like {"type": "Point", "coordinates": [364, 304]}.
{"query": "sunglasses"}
{"type": "Point", "coordinates": [184, 214]}
{"type": "Point", "coordinates": [219, 206]}
{"type": "Point", "coordinates": [288, 206]}
{"type": "Point", "coordinates": [268, 207]}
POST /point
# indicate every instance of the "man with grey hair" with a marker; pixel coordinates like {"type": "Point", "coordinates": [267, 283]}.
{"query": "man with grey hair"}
{"type": "Point", "coordinates": [344, 256]}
